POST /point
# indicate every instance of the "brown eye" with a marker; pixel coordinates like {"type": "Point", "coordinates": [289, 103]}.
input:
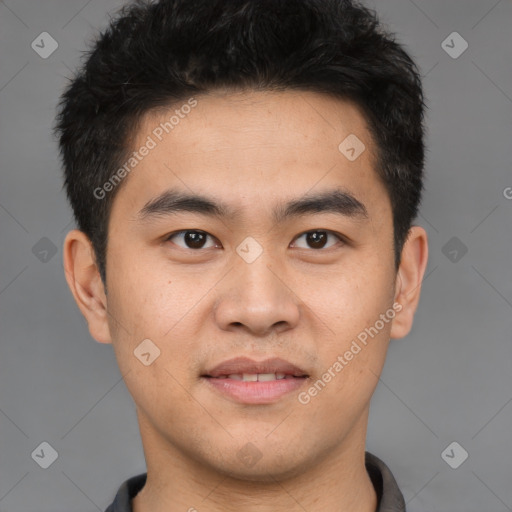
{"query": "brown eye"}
{"type": "Point", "coordinates": [317, 239]}
{"type": "Point", "coordinates": [192, 239]}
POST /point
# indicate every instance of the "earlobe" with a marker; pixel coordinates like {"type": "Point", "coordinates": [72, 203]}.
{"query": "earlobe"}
{"type": "Point", "coordinates": [85, 283]}
{"type": "Point", "coordinates": [409, 278]}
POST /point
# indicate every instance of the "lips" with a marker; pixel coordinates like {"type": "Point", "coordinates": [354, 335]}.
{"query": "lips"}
{"type": "Point", "coordinates": [245, 381]}
{"type": "Point", "coordinates": [245, 366]}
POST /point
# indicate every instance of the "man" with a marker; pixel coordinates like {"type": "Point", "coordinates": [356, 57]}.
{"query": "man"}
{"type": "Point", "coordinates": [245, 175]}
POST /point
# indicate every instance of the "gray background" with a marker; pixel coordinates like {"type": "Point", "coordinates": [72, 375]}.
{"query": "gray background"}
{"type": "Point", "coordinates": [449, 380]}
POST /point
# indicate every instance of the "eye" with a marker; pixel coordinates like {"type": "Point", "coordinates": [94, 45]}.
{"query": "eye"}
{"type": "Point", "coordinates": [193, 239]}
{"type": "Point", "coordinates": [318, 238]}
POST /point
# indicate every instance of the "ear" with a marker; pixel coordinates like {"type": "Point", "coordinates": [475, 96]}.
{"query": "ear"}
{"type": "Point", "coordinates": [84, 281]}
{"type": "Point", "coordinates": [409, 278]}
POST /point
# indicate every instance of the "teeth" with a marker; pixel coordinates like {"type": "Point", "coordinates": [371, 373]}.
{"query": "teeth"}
{"type": "Point", "coordinates": [266, 376]}
{"type": "Point", "coordinates": [260, 377]}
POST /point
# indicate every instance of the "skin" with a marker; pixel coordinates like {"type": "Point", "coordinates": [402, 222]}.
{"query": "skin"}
{"type": "Point", "coordinates": [298, 301]}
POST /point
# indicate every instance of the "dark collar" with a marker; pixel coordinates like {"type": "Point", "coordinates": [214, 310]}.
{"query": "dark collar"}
{"type": "Point", "coordinates": [389, 496]}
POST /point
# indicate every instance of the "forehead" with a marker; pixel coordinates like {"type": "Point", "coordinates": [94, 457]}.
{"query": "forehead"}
{"type": "Point", "coordinates": [220, 119]}
{"type": "Point", "coordinates": [253, 147]}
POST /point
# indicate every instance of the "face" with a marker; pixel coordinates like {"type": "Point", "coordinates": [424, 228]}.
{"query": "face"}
{"type": "Point", "coordinates": [259, 279]}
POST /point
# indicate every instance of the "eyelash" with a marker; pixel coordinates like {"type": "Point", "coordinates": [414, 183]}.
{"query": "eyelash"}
{"type": "Point", "coordinates": [341, 238]}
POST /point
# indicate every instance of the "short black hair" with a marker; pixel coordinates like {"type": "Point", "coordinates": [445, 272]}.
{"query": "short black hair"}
{"type": "Point", "coordinates": [156, 54]}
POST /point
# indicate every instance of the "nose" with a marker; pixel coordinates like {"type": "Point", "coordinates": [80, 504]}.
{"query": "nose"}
{"type": "Point", "coordinates": [257, 297]}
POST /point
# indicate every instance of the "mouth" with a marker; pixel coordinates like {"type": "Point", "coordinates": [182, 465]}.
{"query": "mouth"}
{"type": "Point", "coordinates": [244, 368]}
{"type": "Point", "coordinates": [246, 381]}
{"type": "Point", "coordinates": [256, 377]}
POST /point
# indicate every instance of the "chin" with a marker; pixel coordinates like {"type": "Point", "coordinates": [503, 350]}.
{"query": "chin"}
{"type": "Point", "coordinates": [276, 468]}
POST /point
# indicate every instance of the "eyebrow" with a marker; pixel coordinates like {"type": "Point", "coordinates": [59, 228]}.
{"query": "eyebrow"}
{"type": "Point", "coordinates": [337, 201]}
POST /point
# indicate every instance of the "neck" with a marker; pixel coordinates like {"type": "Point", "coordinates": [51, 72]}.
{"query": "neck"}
{"type": "Point", "coordinates": [334, 482]}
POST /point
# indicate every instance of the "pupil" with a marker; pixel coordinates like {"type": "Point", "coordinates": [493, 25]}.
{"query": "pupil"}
{"type": "Point", "coordinates": [317, 238]}
{"type": "Point", "coordinates": [194, 239]}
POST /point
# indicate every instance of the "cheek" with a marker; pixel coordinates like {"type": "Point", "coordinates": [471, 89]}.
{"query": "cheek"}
{"type": "Point", "coordinates": [141, 293]}
{"type": "Point", "coordinates": [347, 309]}
{"type": "Point", "coordinates": [140, 312]}
{"type": "Point", "coordinates": [155, 304]}
{"type": "Point", "coordinates": [349, 375]}
{"type": "Point", "coordinates": [154, 339]}
{"type": "Point", "coordinates": [348, 299]}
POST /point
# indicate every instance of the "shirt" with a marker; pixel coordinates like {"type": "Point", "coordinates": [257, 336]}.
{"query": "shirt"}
{"type": "Point", "coordinates": [389, 496]}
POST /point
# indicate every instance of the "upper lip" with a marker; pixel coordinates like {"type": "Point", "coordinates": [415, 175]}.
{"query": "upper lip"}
{"type": "Point", "coordinates": [240, 365]}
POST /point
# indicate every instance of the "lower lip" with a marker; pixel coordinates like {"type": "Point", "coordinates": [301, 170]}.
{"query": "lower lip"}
{"type": "Point", "coordinates": [265, 392]}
